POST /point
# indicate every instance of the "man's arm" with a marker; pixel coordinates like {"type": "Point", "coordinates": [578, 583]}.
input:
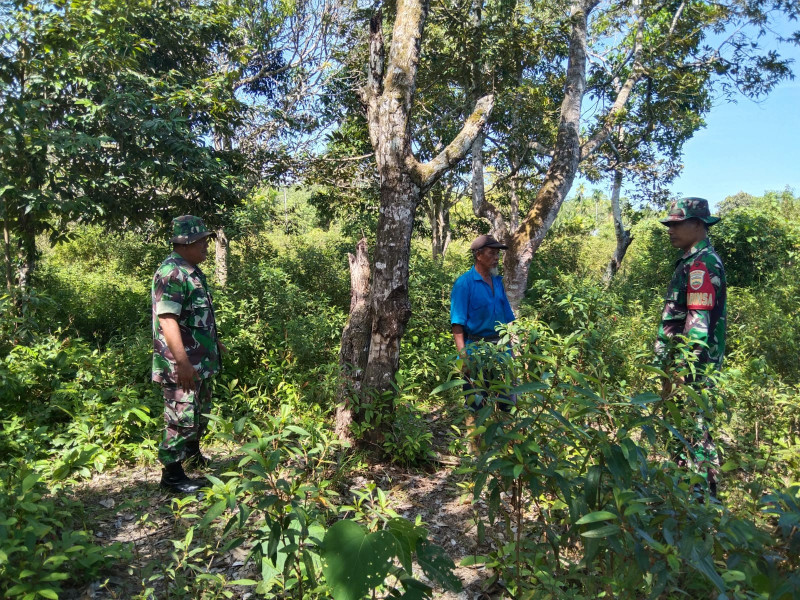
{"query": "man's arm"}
{"type": "Point", "coordinates": [187, 376]}
{"type": "Point", "coordinates": [460, 338]}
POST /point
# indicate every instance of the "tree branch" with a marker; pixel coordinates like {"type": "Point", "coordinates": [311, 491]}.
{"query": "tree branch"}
{"type": "Point", "coordinates": [425, 175]}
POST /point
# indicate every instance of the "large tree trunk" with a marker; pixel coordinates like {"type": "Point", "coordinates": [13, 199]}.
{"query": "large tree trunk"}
{"type": "Point", "coordinates": [563, 167]}
{"type": "Point", "coordinates": [388, 98]}
{"type": "Point", "coordinates": [624, 237]}
{"type": "Point", "coordinates": [221, 257]}
{"type": "Point", "coordinates": [355, 339]}
{"type": "Point", "coordinates": [389, 301]}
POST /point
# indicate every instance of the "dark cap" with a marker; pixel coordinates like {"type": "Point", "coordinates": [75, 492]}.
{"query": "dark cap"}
{"type": "Point", "coordinates": [187, 229]}
{"type": "Point", "coordinates": [486, 241]}
{"type": "Point", "coordinates": [689, 208]}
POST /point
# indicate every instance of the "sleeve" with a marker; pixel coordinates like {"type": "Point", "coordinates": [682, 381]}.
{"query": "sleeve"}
{"type": "Point", "coordinates": [508, 314]}
{"type": "Point", "coordinates": [169, 292]}
{"type": "Point", "coordinates": [459, 302]}
{"type": "Point", "coordinates": [701, 297]}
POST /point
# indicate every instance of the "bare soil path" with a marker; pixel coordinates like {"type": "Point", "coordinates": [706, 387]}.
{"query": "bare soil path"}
{"type": "Point", "coordinates": [126, 505]}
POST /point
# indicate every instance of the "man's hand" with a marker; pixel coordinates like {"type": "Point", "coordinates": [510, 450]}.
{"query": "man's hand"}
{"type": "Point", "coordinates": [460, 339]}
{"type": "Point", "coordinates": [186, 374]}
{"type": "Point", "coordinates": [223, 349]}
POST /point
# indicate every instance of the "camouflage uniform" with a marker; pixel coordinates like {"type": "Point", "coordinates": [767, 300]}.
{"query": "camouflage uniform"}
{"type": "Point", "coordinates": [696, 307]}
{"type": "Point", "coordinates": [180, 289]}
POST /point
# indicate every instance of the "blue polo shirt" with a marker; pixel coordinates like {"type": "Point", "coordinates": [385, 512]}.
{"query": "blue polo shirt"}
{"type": "Point", "coordinates": [476, 308]}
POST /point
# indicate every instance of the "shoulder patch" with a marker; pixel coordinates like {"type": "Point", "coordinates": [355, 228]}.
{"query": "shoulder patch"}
{"type": "Point", "coordinates": [701, 294]}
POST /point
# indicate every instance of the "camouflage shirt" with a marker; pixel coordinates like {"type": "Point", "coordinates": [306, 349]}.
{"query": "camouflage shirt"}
{"type": "Point", "coordinates": [180, 289]}
{"type": "Point", "coordinates": [696, 305]}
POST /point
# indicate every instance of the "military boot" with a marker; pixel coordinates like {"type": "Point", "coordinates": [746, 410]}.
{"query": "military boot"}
{"type": "Point", "coordinates": [195, 458]}
{"type": "Point", "coordinates": [174, 479]}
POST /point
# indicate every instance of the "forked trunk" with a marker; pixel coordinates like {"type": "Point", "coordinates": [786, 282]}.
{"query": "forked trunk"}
{"type": "Point", "coordinates": [624, 237]}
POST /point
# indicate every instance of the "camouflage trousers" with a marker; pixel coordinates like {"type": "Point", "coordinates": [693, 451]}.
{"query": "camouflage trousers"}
{"type": "Point", "coordinates": [185, 421]}
{"type": "Point", "coordinates": [702, 458]}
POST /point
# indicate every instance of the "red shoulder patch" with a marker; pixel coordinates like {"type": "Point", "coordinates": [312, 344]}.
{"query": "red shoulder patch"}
{"type": "Point", "coordinates": [700, 293]}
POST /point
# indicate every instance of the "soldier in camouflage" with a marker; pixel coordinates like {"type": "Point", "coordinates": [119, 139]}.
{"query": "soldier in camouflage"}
{"type": "Point", "coordinates": [186, 351]}
{"type": "Point", "coordinates": [695, 307]}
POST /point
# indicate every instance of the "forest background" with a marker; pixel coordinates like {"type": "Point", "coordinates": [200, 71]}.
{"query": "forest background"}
{"type": "Point", "coordinates": [290, 129]}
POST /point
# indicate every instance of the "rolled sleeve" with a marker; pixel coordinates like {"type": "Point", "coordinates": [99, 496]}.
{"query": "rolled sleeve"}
{"type": "Point", "coordinates": [167, 307]}
{"type": "Point", "coordinates": [459, 303]}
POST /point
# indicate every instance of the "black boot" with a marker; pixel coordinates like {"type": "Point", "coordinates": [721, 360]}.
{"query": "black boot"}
{"type": "Point", "coordinates": [194, 458]}
{"type": "Point", "coordinates": [175, 480]}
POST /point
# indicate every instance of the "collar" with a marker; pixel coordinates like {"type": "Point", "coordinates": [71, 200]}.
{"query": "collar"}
{"type": "Point", "coordinates": [182, 262]}
{"type": "Point", "coordinates": [701, 245]}
{"type": "Point", "coordinates": [478, 277]}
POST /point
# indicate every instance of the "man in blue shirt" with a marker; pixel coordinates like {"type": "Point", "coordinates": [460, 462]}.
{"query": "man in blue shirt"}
{"type": "Point", "coordinates": [478, 304]}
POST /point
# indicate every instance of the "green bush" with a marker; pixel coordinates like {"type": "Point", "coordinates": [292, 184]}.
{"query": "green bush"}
{"type": "Point", "coordinates": [40, 545]}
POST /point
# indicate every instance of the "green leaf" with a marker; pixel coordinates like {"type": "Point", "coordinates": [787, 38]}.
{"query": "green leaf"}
{"type": "Point", "coordinates": [654, 369]}
{"type": "Point", "coordinates": [355, 562]}
{"type": "Point", "coordinates": [437, 566]}
{"type": "Point", "coordinates": [525, 388]}
{"type": "Point", "coordinates": [645, 398]}
{"type": "Point", "coordinates": [29, 482]}
{"type": "Point", "coordinates": [213, 512]}
{"type": "Point", "coordinates": [601, 532]}
{"type": "Point", "coordinates": [594, 517]}
{"type": "Point", "coordinates": [473, 559]}
{"type": "Point", "coordinates": [447, 385]}
{"type": "Point", "coordinates": [48, 593]}
{"type": "Point", "coordinates": [407, 535]}
{"type": "Point", "coordinates": [298, 430]}
{"type": "Point", "coordinates": [705, 565]}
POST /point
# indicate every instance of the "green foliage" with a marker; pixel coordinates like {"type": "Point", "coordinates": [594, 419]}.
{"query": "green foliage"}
{"type": "Point", "coordinates": [40, 545]}
{"type": "Point", "coordinates": [756, 246]}
{"type": "Point", "coordinates": [582, 497]}
{"type": "Point", "coordinates": [105, 107]}
{"type": "Point", "coordinates": [280, 502]}
{"type": "Point", "coordinates": [407, 438]}
{"type": "Point", "coordinates": [592, 462]}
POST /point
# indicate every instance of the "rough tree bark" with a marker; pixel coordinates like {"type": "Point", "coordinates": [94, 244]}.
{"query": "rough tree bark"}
{"type": "Point", "coordinates": [27, 243]}
{"type": "Point", "coordinates": [355, 339]}
{"type": "Point", "coordinates": [388, 98]}
{"type": "Point", "coordinates": [624, 237]}
{"type": "Point", "coordinates": [221, 257]}
{"type": "Point", "coordinates": [439, 215]}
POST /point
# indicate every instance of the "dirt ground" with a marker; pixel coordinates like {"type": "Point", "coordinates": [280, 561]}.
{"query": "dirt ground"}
{"type": "Point", "coordinates": [126, 505]}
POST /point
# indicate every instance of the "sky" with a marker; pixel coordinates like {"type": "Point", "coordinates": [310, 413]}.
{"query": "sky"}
{"type": "Point", "coordinates": [745, 147]}
{"type": "Point", "coordinates": [748, 146]}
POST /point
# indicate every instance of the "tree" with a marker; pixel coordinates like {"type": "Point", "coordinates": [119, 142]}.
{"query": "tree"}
{"type": "Point", "coordinates": [642, 59]}
{"type": "Point", "coordinates": [388, 97]}
{"type": "Point", "coordinates": [105, 111]}
{"type": "Point", "coordinates": [276, 58]}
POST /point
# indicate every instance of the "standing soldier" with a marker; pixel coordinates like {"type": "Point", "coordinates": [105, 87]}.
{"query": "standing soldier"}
{"type": "Point", "coordinates": [695, 307]}
{"type": "Point", "coordinates": [186, 351]}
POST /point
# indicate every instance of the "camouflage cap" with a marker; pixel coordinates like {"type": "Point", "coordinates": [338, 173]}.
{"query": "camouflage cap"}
{"type": "Point", "coordinates": [187, 229]}
{"type": "Point", "coordinates": [689, 208]}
